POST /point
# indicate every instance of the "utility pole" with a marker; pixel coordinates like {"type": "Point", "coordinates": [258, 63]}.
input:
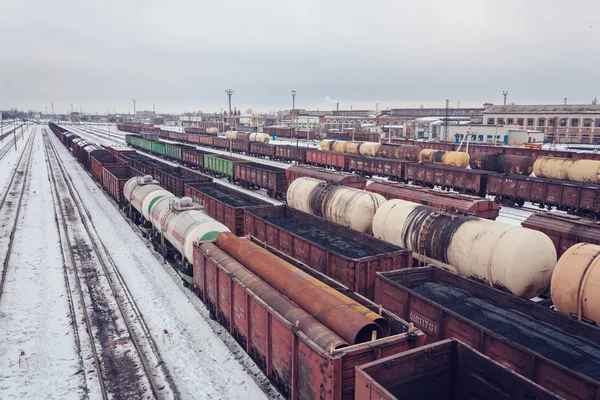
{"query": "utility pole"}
{"type": "Point", "coordinates": [505, 93]}
{"type": "Point", "coordinates": [46, 113]}
{"type": "Point", "coordinates": [52, 104]}
{"type": "Point", "coordinates": [229, 93]}
{"type": "Point", "coordinates": [293, 127]}
{"type": "Point", "coordinates": [565, 101]}
{"type": "Point", "coordinates": [133, 108]}
{"type": "Point", "coordinates": [71, 111]}
{"type": "Point", "coordinates": [446, 120]}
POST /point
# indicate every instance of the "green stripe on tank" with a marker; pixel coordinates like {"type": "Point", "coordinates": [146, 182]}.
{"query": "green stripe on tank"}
{"type": "Point", "coordinates": [152, 203]}
{"type": "Point", "coordinates": [210, 236]}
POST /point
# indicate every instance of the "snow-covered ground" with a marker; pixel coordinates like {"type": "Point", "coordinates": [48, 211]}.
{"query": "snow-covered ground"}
{"type": "Point", "coordinates": [34, 313]}
{"type": "Point", "coordinates": [200, 363]}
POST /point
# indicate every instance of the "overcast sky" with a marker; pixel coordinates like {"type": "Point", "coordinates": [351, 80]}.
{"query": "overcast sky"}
{"type": "Point", "coordinates": [184, 54]}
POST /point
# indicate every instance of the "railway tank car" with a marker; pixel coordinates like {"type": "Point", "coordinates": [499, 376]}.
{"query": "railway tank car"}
{"type": "Point", "coordinates": [343, 205]}
{"type": "Point", "coordinates": [575, 285]}
{"type": "Point", "coordinates": [581, 170]}
{"type": "Point", "coordinates": [514, 259]}
{"type": "Point", "coordinates": [180, 221]}
{"type": "Point", "coordinates": [502, 163]}
{"type": "Point", "coordinates": [450, 158]}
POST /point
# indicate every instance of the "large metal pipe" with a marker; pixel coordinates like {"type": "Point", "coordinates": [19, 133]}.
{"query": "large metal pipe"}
{"type": "Point", "coordinates": [351, 321]}
{"type": "Point", "coordinates": [521, 165]}
{"type": "Point", "coordinates": [315, 330]}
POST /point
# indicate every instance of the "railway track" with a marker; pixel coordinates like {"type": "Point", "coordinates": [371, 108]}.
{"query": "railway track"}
{"type": "Point", "coordinates": [123, 362]}
{"type": "Point", "coordinates": [5, 149]}
{"type": "Point", "coordinates": [10, 205]}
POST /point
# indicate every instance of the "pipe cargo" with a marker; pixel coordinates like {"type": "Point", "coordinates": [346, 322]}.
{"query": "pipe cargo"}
{"type": "Point", "coordinates": [343, 205]}
{"type": "Point", "coordinates": [575, 286]}
{"type": "Point", "coordinates": [315, 330]}
{"type": "Point", "coordinates": [451, 158]}
{"type": "Point", "coordinates": [511, 258]}
{"type": "Point", "coordinates": [353, 322]}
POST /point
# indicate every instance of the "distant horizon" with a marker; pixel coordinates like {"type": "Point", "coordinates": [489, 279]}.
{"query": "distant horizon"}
{"type": "Point", "coordinates": [60, 109]}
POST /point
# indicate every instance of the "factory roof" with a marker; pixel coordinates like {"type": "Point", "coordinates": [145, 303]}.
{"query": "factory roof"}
{"type": "Point", "coordinates": [544, 109]}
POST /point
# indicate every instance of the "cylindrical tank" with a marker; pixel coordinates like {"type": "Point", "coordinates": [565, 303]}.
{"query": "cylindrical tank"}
{"type": "Point", "coordinates": [575, 283]}
{"type": "Point", "coordinates": [179, 220]}
{"type": "Point", "coordinates": [343, 205]}
{"type": "Point", "coordinates": [350, 320]}
{"type": "Point", "coordinates": [212, 131]}
{"type": "Point", "coordinates": [262, 137]}
{"type": "Point", "coordinates": [508, 257]}
{"type": "Point", "coordinates": [353, 147]}
{"type": "Point", "coordinates": [182, 224]}
{"type": "Point", "coordinates": [252, 136]}
{"type": "Point", "coordinates": [587, 171]}
{"type": "Point", "coordinates": [315, 330]}
{"type": "Point", "coordinates": [388, 150]}
{"type": "Point", "coordinates": [408, 153]}
{"type": "Point", "coordinates": [369, 149]}
{"type": "Point", "coordinates": [231, 134]}
{"type": "Point", "coordinates": [457, 159]}
{"type": "Point", "coordinates": [326, 144]}
{"type": "Point", "coordinates": [521, 165]}
{"type": "Point", "coordinates": [552, 167]}
{"type": "Point", "coordinates": [300, 193]}
{"type": "Point", "coordinates": [339, 146]}
{"type": "Point", "coordinates": [142, 192]}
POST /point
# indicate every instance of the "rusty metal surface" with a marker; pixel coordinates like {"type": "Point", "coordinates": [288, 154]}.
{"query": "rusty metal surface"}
{"type": "Point", "coordinates": [347, 318]}
{"type": "Point", "coordinates": [564, 230]}
{"type": "Point", "coordinates": [316, 331]}
{"type": "Point", "coordinates": [336, 177]}
{"type": "Point", "coordinates": [480, 207]}
{"type": "Point", "coordinates": [447, 369]}
{"type": "Point", "coordinates": [521, 165]}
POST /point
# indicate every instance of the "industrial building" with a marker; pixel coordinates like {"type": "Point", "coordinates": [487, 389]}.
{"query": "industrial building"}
{"type": "Point", "coordinates": [572, 123]}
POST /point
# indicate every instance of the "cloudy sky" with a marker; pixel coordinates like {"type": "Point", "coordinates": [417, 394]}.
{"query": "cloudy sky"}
{"type": "Point", "coordinates": [183, 54]}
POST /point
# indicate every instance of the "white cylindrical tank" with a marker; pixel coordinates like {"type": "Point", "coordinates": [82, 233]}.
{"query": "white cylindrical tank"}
{"type": "Point", "coordinates": [575, 283]}
{"type": "Point", "coordinates": [346, 206]}
{"type": "Point", "coordinates": [230, 134]}
{"type": "Point", "coordinates": [369, 149]}
{"type": "Point", "coordinates": [508, 257]}
{"type": "Point", "coordinates": [142, 192]}
{"type": "Point", "coordinates": [299, 193]}
{"type": "Point", "coordinates": [212, 130]}
{"type": "Point", "coordinates": [182, 225]}
{"type": "Point", "coordinates": [252, 136]}
{"type": "Point", "coordinates": [326, 144]}
{"type": "Point", "coordinates": [261, 137]}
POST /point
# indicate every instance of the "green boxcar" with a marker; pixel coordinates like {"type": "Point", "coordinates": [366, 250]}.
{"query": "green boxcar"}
{"type": "Point", "coordinates": [222, 165]}
{"type": "Point", "coordinates": [146, 144]}
{"type": "Point", "coordinates": [173, 151]}
{"type": "Point", "coordinates": [129, 139]}
{"type": "Point", "coordinates": [158, 148]}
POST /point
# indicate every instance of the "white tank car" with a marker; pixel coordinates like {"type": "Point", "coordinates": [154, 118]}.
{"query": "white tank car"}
{"type": "Point", "coordinates": [181, 221]}
{"type": "Point", "coordinates": [511, 258]}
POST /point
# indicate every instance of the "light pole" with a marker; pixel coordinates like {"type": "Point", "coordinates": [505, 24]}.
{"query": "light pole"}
{"type": "Point", "coordinates": [505, 93]}
{"type": "Point", "coordinates": [229, 93]}
{"type": "Point", "coordinates": [293, 108]}
{"type": "Point", "coordinates": [133, 108]}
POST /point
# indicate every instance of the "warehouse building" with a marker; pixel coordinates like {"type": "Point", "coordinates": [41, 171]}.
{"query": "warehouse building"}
{"type": "Point", "coordinates": [572, 123]}
{"type": "Point", "coordinates": [494, 134]}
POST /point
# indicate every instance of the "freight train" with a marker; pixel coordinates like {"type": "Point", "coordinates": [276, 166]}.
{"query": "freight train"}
{"type": "Point", "coordinates": [310, 358]}
{"type": "Point", "coordinates": [503, 171]}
